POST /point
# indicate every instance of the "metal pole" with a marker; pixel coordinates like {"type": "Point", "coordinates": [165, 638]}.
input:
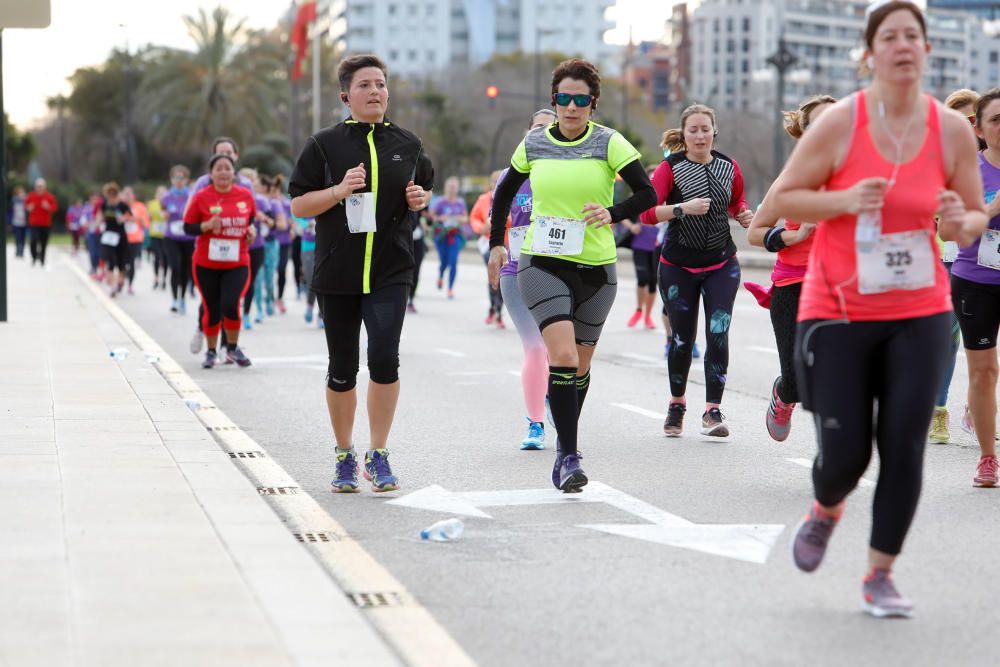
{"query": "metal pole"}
{"type": "Point", "coordinates": [3, 196]}
{"type": "Point", "coordinates": [538, 68]}
{"type": "Point", "coordinates": [316, 87]}
{"type": "Point", "coordinates": [779, 146]}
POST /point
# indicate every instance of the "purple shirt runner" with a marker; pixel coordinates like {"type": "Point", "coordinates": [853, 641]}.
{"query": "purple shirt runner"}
{"type": "Point", "coordinates": [173, 204]}
{"type": "Point", "coordinates": [520, 216]}
{"type": "Point", "coordinates": [285, 237]}
{"type": "Point", "coordinates": [645, 239]}
{"type": "Point", "coordinates": [263, 206]}
{"type": "Point", "coordinates": [966, 265]}
{"type": "Point", "coordinates": [444, 208]}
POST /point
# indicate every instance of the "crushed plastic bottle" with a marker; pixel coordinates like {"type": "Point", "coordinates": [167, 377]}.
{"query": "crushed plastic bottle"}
{"type": "Point", "coordinates": [443, 531]}
{"type": "Point", "coordinates": [192, 403]}
{"type": "Point", "coordinates": [119, 353]}
{"type": "Point", "coordinates": [152, 358]}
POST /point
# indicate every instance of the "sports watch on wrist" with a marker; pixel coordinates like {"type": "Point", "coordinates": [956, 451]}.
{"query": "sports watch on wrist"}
{"type": "Point", "coordinates": [678, 211]}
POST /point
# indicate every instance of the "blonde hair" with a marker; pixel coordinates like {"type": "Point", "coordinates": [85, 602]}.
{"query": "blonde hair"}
{"type": "Point", "coordinates": [249, 173]}
{"type": "Point", "coordinates": [673, 139]}
{"type": "Point", "coordinates": [960, 98]}
{"type": "Point", "coordinates": [797, 121]}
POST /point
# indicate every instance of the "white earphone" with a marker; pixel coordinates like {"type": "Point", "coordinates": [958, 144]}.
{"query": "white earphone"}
{"type": "Point", "coordinates": [870, 61]}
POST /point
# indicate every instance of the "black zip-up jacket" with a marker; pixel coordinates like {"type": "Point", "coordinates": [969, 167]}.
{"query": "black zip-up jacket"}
{"type": "Point", "coordinates": [349, 263]}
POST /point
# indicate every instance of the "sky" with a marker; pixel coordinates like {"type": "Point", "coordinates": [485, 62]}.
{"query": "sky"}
{"type": "Point", "coordinates": [83, 32]}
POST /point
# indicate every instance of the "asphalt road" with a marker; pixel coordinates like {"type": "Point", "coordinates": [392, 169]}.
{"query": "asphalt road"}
{"type": "Point", "coordinates": [532, 585]}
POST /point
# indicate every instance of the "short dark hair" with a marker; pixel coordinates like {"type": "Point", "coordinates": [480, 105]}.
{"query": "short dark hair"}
{"type": "Point", "coordinates": [990, 95]}
{"type": "Point", "coordinates": [577, 68]}
{"type": "Point", "coordinates": [349, 66]}
{"type": "Point", "coordinates": [224, 140]}
{"type": "Point", "coordinates": [879, 15]}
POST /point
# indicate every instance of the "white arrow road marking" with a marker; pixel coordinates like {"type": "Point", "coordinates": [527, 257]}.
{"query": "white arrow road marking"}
{"type": "Point", "coordinates": [640, 411]}
{"type": "Point", "coordinates": [807, 463]}
{"type": "Point", "coordinates": [746, 542]}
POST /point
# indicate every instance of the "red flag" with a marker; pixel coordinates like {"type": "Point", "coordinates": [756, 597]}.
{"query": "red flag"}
{"type": "Point", "coordinates": [300, 35]}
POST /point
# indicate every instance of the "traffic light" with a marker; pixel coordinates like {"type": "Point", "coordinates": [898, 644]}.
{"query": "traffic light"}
{"type": "Point", "coordinates": [492, 92]}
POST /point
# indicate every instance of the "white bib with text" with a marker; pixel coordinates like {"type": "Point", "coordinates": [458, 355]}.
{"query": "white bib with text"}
{"type": "Point", "coordinates": [558, 236]}
{"type": "Point", "coordinates": [361, 212]}
{"type": "Point", "coordinates": [224, 250]}
{"type": "Point", "coordinates": [900, 261]}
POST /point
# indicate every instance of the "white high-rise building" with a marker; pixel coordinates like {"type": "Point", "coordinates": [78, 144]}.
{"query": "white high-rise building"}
{"type": "Point", "coordinates": [420, 37]}
{"type": "Point", "coordinates": [731, 41]}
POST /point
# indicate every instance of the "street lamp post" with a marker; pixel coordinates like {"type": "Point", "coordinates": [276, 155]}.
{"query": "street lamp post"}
{"type": "Point", "coordinates": [539, 32]}
{"type": "Point", "coordinates": [782, 60]}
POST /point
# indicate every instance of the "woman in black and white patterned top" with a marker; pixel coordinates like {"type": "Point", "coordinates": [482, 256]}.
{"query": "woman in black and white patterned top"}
{"type": "Point", "coordinates": [698, 190]}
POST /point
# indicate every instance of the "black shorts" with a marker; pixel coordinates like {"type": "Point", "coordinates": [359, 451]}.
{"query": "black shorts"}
{"type": "Point", "coordinates": [977, 307]}
{"type": "Point", "coordinates": [116, 256]}
{"type": "Point", "coordinates": [646, 268]}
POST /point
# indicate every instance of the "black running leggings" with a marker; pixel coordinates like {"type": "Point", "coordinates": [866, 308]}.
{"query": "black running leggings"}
{"type": "Point", "coordinates": [784, 315]}
{"type": "Point", "coordinates": [419, 250]}
{"type": "Point", "coordinates": [645, 268]}
{"type": "Point", "coordinates": [843, 370]}
{"type": "Point", "coordinates": [179, 255]}
{"type": "Point", "coordinates": [256, 261]}
{"type": "Point", "coordinates": [283, 268]}
{"type": "Point", "coordinates": [221, 291]}
{"type": "Point", "coordinates": [382, 313]}
{"type": "Point", "coordinates": [297, 261]}
{"type": "Point", "coordinates": [680, 290]}
{"type": "Point", "coordinates": [39, 242]}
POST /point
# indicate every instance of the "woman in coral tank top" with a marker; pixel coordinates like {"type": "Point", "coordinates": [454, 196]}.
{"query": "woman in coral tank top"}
{"type": "Point", "coordinates": [873, 317]}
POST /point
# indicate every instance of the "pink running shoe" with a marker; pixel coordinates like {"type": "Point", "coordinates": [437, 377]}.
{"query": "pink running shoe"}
{"type": "Point", "coordinates": [779, 415]}
{"type": "Point", "coordinates": [636, 316]}
{"type": "Point", "coordinates": [986, 472]}
{"type": "Point", "coordinates": [650, 324]}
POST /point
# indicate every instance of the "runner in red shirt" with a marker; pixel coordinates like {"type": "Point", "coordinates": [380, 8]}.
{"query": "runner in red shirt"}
{"type": "Point", "coordinates": [40, 206]}
{"type": "Point", "coordinates": [220, 217]}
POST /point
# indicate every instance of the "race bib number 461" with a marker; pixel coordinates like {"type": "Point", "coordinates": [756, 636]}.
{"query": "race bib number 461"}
{"type": "Point", "coordinates": [558, 236]}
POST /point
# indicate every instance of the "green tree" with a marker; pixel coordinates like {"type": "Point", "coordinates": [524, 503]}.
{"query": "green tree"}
{"type": "Point", "coordinates": [19, 150]}
{"type": "Point", "coordinates": [230, 84]}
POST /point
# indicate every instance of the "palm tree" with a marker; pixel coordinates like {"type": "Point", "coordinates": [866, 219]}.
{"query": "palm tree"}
{"type": "Point", "coordinates": [229, 84]}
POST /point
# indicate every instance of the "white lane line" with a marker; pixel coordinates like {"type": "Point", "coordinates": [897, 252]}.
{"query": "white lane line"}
{"type": "Point", "coordinates": [516, 374]}
{"type": "Point", "coordinates": [807, 463]}
{"type": "Point", "coordinates": [640, 411]}
{"type": "Point", "coordinates": [450, 353]}
{"type": "Point", "coordinates": [642, 357]}
{"type": "Point", "coordinates": [766, 350]}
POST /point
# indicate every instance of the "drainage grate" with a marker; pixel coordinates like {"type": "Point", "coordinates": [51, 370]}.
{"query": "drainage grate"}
{"type": "Point", "coordinates": [246, 455]}
{"type": "Point", "coordinates": [223, 428]}
{"type": "Point", "coordinates": [277, 490]}
{"type": "Point", "coordinates": [315, 537]}
{"type": "Point", "coordinates": [367, 600]}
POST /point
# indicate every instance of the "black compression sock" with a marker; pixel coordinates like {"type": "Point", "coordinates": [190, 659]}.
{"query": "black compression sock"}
{"type": "Point", "coordinates": [564, 405]}
{"type": "Point", "coordinates": [230, 346]}
{"type": "Point", "coordinates": [582, 385]}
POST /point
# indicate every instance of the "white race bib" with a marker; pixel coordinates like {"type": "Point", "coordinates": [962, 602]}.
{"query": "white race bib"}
{"type": "Point", "coordinates": [361, 212]}
{"type": "Point", "coordinates": [989, 249]}
{"type": "Point", "coordinates": [265, 231]}
{"type": "Point", "coordinates": [224, 250]}
{"type": "Point", "coordinates": [558, 236]}
{"type": "Point", "coordinates": [418, 233]}
{"type": "Point", "coordinates": [131, 228]}
{"type": "Point", "coordinates": [900, 261]}
{"type": "Point", "coordinates": [110, 238]}
{"type": "Point", "coordinates": [515, 237]}
{"type": "Point", "coordinates": [177, 228]}
{"type": "Point", "coordinates": [158, 228]}
{"type": "Point", "coordinates": [949, 253]}
{"type": "Point", "coordinates": [484, 245]}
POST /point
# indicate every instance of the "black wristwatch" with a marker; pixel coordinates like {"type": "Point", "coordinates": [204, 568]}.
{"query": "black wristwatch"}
{"type": "Point", "coordinates": [678, 212]}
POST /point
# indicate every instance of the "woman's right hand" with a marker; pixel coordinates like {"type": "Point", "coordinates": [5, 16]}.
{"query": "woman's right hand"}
{"type": "Point", "coordinates": [214, 225]}
{"type": "Point", "coordinates": [866, 195]}
{"type": "Point", "coordinates": [354, 180]}
{"type": "Point", "coordinates": [498, 259]}
{"type": "Point", "coordinates": [697, 206]}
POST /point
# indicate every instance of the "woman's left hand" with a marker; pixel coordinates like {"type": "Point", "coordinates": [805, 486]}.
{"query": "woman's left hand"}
{"type": "Point", "coordinates": [596, 215]}
{"type": "Point", "coordinates": [251, 234]}
{"type": "Point", "coordinates": [416, 197]}
{"type": "Point", "coordinates": [744, 217]}
{"type": "Point", "coordinates": [951, 214]}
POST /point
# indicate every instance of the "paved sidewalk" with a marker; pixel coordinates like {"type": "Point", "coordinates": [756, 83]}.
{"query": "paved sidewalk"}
{"type": "Point", "coordinates": [128, 535]}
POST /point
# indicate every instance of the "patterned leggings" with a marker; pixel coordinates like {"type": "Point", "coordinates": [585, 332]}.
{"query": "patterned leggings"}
{"type": "Point", "coordinates": [680, 290]}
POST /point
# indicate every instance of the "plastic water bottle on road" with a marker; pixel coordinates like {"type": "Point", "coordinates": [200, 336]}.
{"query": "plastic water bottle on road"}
{"type": "Point", "coordinates": [118, 354]}
{"type": "Point", "coordinates": [443, 531]}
